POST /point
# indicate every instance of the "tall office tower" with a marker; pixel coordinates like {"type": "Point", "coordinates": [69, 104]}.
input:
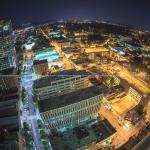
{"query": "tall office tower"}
{"type": "Point", "coordinates": [9, 124]}
{"type": "Point", "coordinates": [9, 86]}
{"type": "Point", "coordinates": [9, 114]}
{"type": "Point", "coordinates": [7, 49]}
{"type": "Point", "coordinates": [70, 108]}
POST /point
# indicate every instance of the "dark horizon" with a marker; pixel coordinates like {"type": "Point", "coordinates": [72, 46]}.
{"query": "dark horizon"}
{"type": "Point", "coordinates": [41, 11]}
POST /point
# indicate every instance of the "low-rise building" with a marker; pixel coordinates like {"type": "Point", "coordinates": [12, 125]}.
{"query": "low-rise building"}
{"type": "Point", "coordinates": [40, 66]}
{"type": "Point", "coordinates": [64, 43]}
{"type": "Point", "coordinates": [60, 83]}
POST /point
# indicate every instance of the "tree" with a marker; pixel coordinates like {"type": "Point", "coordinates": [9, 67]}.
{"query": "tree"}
{"type": "Point", "coordinates": [23, 96]}
{"type": "Point", "coordinates": [26, 126]}
{"type": "Point", "coordinates": [43, 135]}
{"type": "Point", "coordinates": [140, 110]}
{"type": "Point", "coordinates": [40, 123]}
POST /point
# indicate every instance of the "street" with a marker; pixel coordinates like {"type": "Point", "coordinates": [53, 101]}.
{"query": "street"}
{"type": "Point", "coordinates": [30, 116]}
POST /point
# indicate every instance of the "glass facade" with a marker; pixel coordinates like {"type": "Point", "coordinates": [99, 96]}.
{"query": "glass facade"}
{"type": "Point", "coordinates": [7, 49]}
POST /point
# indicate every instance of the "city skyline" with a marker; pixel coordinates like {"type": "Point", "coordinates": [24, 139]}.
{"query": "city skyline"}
{"type": "Point", "coordinates": [124, 12]}
{"type": "Point", "coordinates": [74, 75]}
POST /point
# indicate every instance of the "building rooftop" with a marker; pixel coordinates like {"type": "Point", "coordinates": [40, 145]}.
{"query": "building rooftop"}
{"type": "Point", "coordinates": [144, 144]}
{"type": "Point", "coordinates": [96, 132]}
{"type": "Point", "coordinates": [69, 50]}
{"type": "Point", "coordinates": [96, 49]}
{"type": "Point", "coordinates": [49, 53]}
{"type": "Point", "coordinates": [46, 81]}
{"type": "Point", "coordinates": [6, 71]}
{"type": "Point", "coordinates": [67, 99]}
{"type": "Point", "coordinates": [40, 61]}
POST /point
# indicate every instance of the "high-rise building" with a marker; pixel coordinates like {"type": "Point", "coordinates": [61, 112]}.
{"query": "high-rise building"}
{"type": "Point", "coordinates": [9, 114]}
{"type": "Point", "coordinates": [9, 86]}
{"type": "Point", "coordinates": [7, 49]}
{"type": "Point", "coordinates": [9, 90]}
{"type": "Point", "coordinates": [9, 125]}
{"type": "Point", "coordinates": [71, 108]}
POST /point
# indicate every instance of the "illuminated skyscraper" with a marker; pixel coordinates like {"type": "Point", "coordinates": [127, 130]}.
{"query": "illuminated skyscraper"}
{"type": "Point", "coordinates": [7, 49]}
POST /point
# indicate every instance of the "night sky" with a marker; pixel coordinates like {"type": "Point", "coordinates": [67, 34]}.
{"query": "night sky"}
{"type": "Point", "coordinates": [132, 12]}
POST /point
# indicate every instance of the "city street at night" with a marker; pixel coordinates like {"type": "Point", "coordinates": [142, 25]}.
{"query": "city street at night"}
{"type": "Point", "coordinates": [74, 75]}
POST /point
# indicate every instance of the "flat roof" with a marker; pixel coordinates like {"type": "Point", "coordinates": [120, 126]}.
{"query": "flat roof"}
{"type": "Point", "coordinates": [49, 54]}
{"type": "Point", "coordinates": [96, 49]}
{"type": "Point", "coordinates": [144, 144]}
{"type": "Point", "coordinates": [68, 99]}
{"type": "Point", "coordinates": [123, 105]}
{"type": "Point", "coordinates": [46, 81]}
{"type": "Point", "coordinates": [69, 50]}
{"type": "Point", "coordinates": [138, 84]}
{"type": "Point", "coordinates": [35, 62]}
{"type": "Point", "coordinates": [97, 132]}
